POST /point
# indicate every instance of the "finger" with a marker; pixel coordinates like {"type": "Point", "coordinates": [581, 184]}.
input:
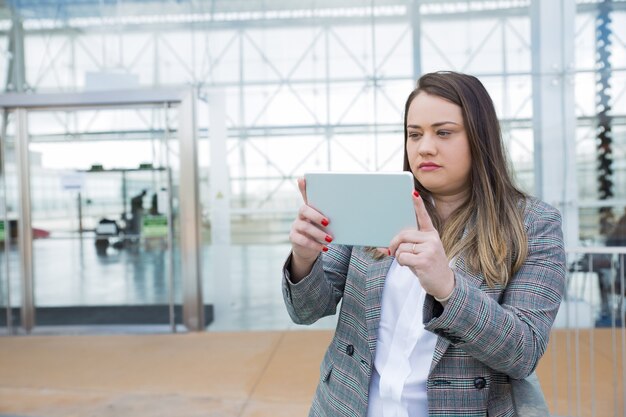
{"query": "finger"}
{"type": "Point", "coordinates": [413, 248]}
{"type": "Point", "coordinates": [314, 232]}
{"type": "Point", "coordinates": [302, 188]}
{"type": "Point", "coordinates": [407, 247]}
{"type": "Point", "coordinates": [407, 236]}
{"type": "Point", "coordinates": [396, 242]}
{"type": "Point", "coordinates": [309, 213]}
{"type": "Point", "coordinates": [306, 242]}
{"type": "Point", "coordinates": [384, 251]}
{"type": "Point", "coordinates": [406, 258]}
{"type": "Point", "coordinates": [424, 223]}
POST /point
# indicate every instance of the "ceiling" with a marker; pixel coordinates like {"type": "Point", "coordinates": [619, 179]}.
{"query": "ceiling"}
{"type": "Point", "coordinates": [67, 9]}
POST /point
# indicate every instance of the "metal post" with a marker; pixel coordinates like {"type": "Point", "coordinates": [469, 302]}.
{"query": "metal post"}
{"type": "Point", "coordinates": [25, 234]}
{"type": "Point", "coordinates": [242, 122]}
{"type": "Point", "coordinates": [417, 38]}
{"type": "Point", "coordinates": [554, 118]}
{"type": "Point", "coordinates": [190, 241]}
{"type": "Point", "coordinates": [125, 201]}
{"type": "Point", "coordinates": [169, 207]}
{"type": "Point", "coordinates": [79, 202]}
{"type": "Point", "coordinates": [7, 228]}
{"type": "Point", "coordinates": [329, 131]}
{"type": "Point", "coordinates": [375, 86]}
{"type": "Point", "coordinates": [16, 81]}
{"type": "Point", "coordinates": [219, 200]}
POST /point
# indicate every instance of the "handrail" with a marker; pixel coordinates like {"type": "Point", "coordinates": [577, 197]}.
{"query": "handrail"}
{"type": "Point", "coordinates": [597, 249]}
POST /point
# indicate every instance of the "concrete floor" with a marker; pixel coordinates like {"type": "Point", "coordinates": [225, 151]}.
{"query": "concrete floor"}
{"type": "Point", "coordinates": [201, 374]}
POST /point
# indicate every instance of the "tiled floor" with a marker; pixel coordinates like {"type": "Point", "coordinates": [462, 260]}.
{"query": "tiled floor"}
{"type": "Point", "coordinates": [246, 374]}
{"type": "Point", "coordinates": [203, 374]}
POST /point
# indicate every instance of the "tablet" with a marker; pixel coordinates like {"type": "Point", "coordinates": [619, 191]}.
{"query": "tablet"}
{"type": "Point", "coordinates": [364, 209]}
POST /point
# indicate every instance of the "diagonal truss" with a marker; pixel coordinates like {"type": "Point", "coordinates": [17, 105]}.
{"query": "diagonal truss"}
{"type": "Point", "coordinates": [284, 80]}
{"type": "Point", "coordinates": [290, 175]}
{"type": "Point", "coordinates": [481, 45]}
{"type": "Point", "coordinates": [439, 52]}
{"type": "Point", "coordinates": [89, 54]}
{"type": "Point", "coordinates": [214, 63]}
{"type": "Point", "coordinates": [51, 65]}
{"type": "Point", "coordinates": [184, 65]}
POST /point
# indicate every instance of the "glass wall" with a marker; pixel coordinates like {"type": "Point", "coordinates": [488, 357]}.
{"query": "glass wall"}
{"type": "Point", "coordinates": [316, 85]}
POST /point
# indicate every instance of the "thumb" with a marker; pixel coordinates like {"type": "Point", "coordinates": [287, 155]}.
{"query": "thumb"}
{"type": "Point", "coordinates": [302, 188]}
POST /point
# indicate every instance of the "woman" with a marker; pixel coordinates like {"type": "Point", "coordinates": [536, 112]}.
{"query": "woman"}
{"type": "Point", "coordinates": [454, 310]}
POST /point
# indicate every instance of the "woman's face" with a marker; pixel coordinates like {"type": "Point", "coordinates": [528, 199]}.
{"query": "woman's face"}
{"type": "Point", "coordinates": [437, 145]}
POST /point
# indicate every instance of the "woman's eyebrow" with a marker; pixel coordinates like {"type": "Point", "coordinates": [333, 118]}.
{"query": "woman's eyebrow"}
{"type": "Point", "coordinates": [434, 124]}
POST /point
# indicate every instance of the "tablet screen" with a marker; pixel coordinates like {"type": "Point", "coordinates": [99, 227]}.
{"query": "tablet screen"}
{"type": "Point", "coordinates": [364, 209]}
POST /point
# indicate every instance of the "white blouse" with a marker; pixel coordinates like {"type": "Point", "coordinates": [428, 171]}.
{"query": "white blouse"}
{"type": "Point", "coordinates": [404, 349]}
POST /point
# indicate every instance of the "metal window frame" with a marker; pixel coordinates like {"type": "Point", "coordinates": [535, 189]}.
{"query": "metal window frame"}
{"type": "Point", "coordinates": [185, 99]}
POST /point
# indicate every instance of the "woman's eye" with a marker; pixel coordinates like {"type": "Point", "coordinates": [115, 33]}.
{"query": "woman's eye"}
{"type": "Point", "coordinates": [444, 133]}
{"type": "Point", "coordinates": [414, 135]}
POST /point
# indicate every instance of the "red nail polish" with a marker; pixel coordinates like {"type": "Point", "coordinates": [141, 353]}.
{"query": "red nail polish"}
{"type": "Point", "coordinates": [389, 252]}
{"type": "Point", "coordinates": [324, 222]}
{"type": "Point", "coordinates": [325, 249]}
{"type": "Point", "coordinates": [328, 239]}
{"type": "Point", "coordinates": [416, 193]}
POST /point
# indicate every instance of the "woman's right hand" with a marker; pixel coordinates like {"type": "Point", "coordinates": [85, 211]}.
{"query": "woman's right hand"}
{"type": "Point", "coordinates": [308, 236]}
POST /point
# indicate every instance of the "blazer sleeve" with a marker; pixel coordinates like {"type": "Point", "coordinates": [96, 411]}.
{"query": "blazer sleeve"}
{"type": "Point", "coordinates": [317, 294]}
{"type": "Point", "coordinates": [509, 336]}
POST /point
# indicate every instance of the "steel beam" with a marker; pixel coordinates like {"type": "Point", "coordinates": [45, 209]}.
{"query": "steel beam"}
{"type": "Point", "coordinates": [416, 25]}
{"type": "Point", "coordinates": [4, 218]}
{"type": "Point", "coordinates": [24, 227]}
{"type": "Point", "coordinates": [16, 81]}
{"type": "Point", "coordinates": [190, 216]}
{"type": "Point", "coordinates": [554, 118]}
{"type": "Point", "coordinates": [95, 99]}
{"type": "Point", "coordinates": [219, 201]}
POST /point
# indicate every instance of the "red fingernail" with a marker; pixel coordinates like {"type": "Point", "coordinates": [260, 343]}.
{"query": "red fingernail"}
{"type": "Point", "coordinates": [389, 252]}
{"type": "Point", "coordinates": [416, 193]}
{"type": "Point", "coordinates": [325, 249]}
{"type": "Point", "coordinates": [328, 239]}
{"type": "Point", "coordinates": [324, 222]}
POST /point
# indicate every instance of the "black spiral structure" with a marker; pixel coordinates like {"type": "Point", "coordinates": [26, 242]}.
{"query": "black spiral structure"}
{"type": "Point", "coordinates": [604, 136]}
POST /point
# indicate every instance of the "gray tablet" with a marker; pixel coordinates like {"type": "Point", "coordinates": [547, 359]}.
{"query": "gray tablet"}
{"type": "Point", "coordinates": [364, 209]}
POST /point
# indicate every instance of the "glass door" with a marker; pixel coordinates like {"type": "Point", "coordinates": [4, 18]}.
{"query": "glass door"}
{"type": "Point", "coordinates": [101, 190]}
{"type": "Point", "coordinates": [103, 236]}
{"type": "Point", "coordinates": [9, 256]}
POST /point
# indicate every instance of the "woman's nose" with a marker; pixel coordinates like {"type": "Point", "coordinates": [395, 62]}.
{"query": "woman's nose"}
{"type": "Point", "coordinates": [427, 145]}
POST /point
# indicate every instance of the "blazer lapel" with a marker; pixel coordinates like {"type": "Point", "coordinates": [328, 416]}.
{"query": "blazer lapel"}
{"type": "Point", "coordinates": [374, 284]}
{"type": "Point", "coordinates": [440, 349]}
{"type": "Point", "coordinates": [474, 279]}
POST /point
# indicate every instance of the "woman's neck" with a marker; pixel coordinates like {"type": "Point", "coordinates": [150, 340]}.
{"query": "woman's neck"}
{"type": "Point", "coordinates": [447, 204]}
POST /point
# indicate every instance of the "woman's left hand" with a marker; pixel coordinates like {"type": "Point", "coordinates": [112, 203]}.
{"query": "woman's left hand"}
{"type": "Point", "coordinates": [421, 250]}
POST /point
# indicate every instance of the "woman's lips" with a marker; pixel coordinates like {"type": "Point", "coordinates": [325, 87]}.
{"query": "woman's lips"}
{"type": "Point", "coordinates": [429, 167]}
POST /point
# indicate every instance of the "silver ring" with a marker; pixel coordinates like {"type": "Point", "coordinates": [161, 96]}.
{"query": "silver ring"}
{"type": "Point", "coordinates": [413, 249]}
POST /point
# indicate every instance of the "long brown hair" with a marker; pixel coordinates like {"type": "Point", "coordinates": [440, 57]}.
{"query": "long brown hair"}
{"type": "Point", "coordinates": [488, 229]}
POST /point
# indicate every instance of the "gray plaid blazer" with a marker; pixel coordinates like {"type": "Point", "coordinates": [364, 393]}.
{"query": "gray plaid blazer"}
{"type": "Point", "coordinates": [487, 336]}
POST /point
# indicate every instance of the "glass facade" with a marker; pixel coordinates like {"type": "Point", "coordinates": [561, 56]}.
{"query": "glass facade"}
{"type": "Point", "coordinates": [310, 85]}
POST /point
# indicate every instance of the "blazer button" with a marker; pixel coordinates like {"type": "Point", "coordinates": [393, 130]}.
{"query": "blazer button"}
{"type": "Point", "coordinates": [350, 350]}
{"type": "Point", "coordinates": [480, 382]}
